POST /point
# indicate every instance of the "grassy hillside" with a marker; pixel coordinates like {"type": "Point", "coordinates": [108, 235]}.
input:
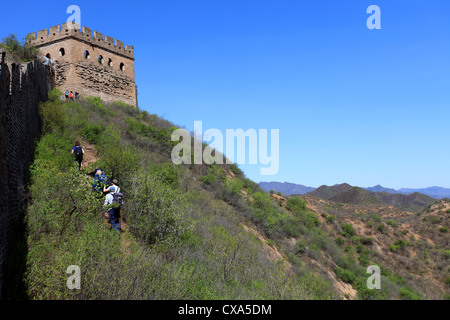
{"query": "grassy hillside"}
{"type": "Point", "coordinates": [185, 227]}
{"type": "Point", "coordinates": [190, 231]}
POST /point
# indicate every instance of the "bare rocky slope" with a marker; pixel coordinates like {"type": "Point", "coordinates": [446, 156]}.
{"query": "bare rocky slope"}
{"type": "Point", "coordinates": [412, 247]}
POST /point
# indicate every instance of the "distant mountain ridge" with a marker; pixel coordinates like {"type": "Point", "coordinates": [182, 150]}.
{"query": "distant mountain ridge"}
{"type": "Point", "coordinates": [286, 188]}
{"type": "Point", "coordinates": [379, 188]}
{"type": "Point", "coordinates": [291, 188]}
{"type": "Point", "coordinates": [328, 192]}
{"type": "Point", "coordinates": [434, 192]}
{"type": "Point", "coordinates": [355, 195]}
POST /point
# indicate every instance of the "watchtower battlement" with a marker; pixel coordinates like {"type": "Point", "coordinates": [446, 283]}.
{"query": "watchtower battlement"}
{"type": "Point", "coordinates": [85, 34]}
{"type": "Point", "coordinates": [87, 62]}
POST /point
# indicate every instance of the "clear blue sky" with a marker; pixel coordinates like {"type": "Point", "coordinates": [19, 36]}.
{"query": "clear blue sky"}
{"type": "Point", "coordinates": [352, 105]}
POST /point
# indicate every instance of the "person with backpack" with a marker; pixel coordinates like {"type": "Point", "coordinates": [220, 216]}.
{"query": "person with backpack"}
{"type": "Point", "coordinates": [100, 180]}
{"type": "Point", "coordinates": [67, 94]}
{"type": "Point", "coordinates": [78, 151]}
{"type": "Point", "coordinates": [113, 204]}
{"type": "Point", "coordinates": [113, 188]}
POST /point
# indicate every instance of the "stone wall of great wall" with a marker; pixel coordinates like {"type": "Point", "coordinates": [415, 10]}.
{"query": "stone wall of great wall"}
{"type": "Point", "coordinates": [22, 87]}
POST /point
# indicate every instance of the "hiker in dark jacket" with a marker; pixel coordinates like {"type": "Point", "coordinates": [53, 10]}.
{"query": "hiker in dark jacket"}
{"type": "Point", "coordinates": [78, 151]}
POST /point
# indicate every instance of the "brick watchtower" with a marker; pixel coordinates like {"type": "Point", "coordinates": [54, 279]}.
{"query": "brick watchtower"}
{"type": "Point", "coordinates": [88, 63]}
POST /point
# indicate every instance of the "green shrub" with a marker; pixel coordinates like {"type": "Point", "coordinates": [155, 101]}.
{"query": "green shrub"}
{"type": "Point", "coordinates": [97, 106]}
{"type": "Point", "coordinates": [296, 204]}
{"type": "Point", "coordinates": [236, 170]}
{"type": "Point", "coordinates": [340, 241]}
{"type": "Point", "coordinates": [443, 229]}
{"type": "Point", "coordinates": [391, 223]}
{"type": "Point", "coordinates": [346, 275]}
{"type": "Point", "coordinates": [300, 247]}
{"type": "Point", "coordinates": [375, 217]}
{"type": "Point", "coordinates": [364, 259]}
{"type": "Point", "coordinates": [235, 186]}
{"type": "Point", "coordinates": [156, 212]}
{"type": "Point", "coordinates": [447, 281]}
{"type": "Point", "coordinates": [261, 200]}
{"type": "Point", "coordinates": [399, 244]}
{"type": "Point", "coordinates": [366, 241]}
{"type": "Point", "coordinates": [382, 228]}
{"type": "Point", "coordinates": [91, 131]}
{"type": "Point", "coordinates": [348, 230]}
{"type": "Point", "coordinates": [209, 178]}
{"type": "Point", "coordinates": [309, 219]}
{"type": "Point", "coordinates": [409, 294]}
{"type": "Point", "coordinates": [169, 174]}
{"type": "Point", "coordinates": [330, 219]}
{"type": "Point", "coordinates": [52, 113]}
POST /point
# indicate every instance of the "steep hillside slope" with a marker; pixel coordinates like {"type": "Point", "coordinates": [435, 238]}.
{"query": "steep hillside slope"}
{"type": "Point", "coordinates": [193, 231]}
{"type": "Point", "coordinates": [411, 248]}
{"type": "Point", "coordinates": [187, 229]}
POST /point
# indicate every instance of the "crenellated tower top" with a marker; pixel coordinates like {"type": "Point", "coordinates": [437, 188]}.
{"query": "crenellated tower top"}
{"type": "Point", "coordinates": [88, 62]}
{"type": "Point", "coordinates": [72, 30]}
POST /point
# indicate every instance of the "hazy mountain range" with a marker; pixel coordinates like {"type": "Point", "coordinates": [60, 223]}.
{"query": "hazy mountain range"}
{"type": "Point", "coordinates": [285, 188]}
{"type": "Point", "coordinates": [291, 188]}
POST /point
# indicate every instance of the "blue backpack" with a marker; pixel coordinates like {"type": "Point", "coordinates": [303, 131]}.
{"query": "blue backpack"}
{"type": "Point", "coordinates": [100, 180]}
{"type": "Point", "coordinates": [78, 151]}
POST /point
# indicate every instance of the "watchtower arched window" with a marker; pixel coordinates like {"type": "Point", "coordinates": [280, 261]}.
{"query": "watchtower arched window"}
{"type": "Point", "coordinates": [109, 63]}
{"type": "Point", "coordinates": [62, 52]}
{"type": "Point", "coordinates": [100, 59]}
{"type": "Point", "coordinates": [122, 66]}
{"type": "Point", "coordinates": [86, 54]}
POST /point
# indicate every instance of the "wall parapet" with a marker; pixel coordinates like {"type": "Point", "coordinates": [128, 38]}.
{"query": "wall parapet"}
{"type": "Point", "coordinates": [85, 34]}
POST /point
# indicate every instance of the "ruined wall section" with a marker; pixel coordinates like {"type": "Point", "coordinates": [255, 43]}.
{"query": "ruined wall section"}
{"type": "Point", "coordinates": [22, 87]}
{"type": "Point", "coordinates": [109, 84]}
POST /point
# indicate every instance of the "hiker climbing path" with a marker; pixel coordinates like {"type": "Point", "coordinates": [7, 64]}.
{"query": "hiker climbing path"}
{"type": "Point", "coordinates": [90, 157]}
{"type": "Point", "coordinates": [90, 154]}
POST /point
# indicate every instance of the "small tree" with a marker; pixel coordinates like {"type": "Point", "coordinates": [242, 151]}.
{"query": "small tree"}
{"type": "Point", "coordinates": [17, 51]}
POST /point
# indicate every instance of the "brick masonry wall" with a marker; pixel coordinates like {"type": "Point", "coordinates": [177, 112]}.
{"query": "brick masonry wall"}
{"type": "Point", "coordinates": [107, 71]}
{"type": "Point", "coordinates": [21, 89]}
